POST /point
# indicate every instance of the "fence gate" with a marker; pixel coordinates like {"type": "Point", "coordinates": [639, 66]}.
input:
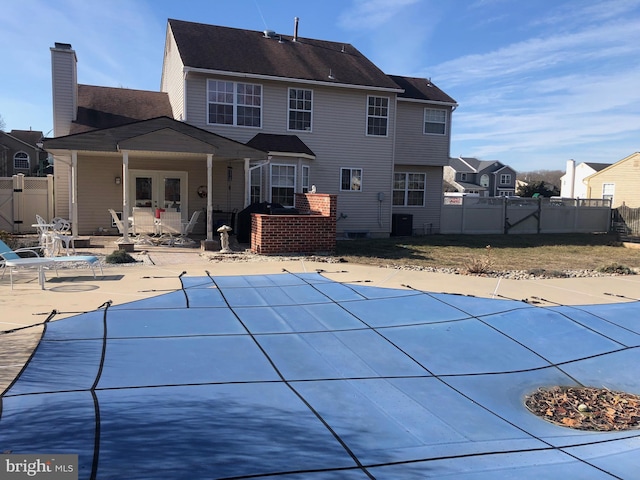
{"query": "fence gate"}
{"type": "Point", "coordinates": [21, 198]}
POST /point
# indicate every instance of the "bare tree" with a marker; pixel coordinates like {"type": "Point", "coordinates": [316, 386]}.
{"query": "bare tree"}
{"type": "Point", "coordinates": [2, 124]}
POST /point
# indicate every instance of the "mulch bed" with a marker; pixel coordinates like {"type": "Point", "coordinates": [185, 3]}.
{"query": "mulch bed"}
{"type": "Point", "coordinates": [586, 408]}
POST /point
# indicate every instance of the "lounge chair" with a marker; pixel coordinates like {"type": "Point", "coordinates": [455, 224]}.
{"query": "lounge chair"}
{"type": "Point", "coordinates": [17, 261]}
{"type": "Point", "coordinates": [118, 223]}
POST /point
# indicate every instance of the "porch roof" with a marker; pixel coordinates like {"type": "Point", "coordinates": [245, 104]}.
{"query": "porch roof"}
{"type": "Point", "coordinates": [284, 144]}
{"type": "Point", "coordinates": [162, 134]}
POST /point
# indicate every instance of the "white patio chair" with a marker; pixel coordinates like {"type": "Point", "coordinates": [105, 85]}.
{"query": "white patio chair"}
{"type": "Point", "coordinates": [45, 236]}
{"type": "Point", "coordinates": [62, 236]}
{"type": "Point", "coordinates": [171, 227]}
{"type": "Point", "coordinates": [144, 226]}
{"type": "Point", "coordinates": [120, 226]}
{"type": "Point", "coordinates": [187, 228]}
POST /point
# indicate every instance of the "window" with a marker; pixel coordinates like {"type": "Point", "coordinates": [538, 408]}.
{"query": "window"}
{"type": "Point", "coordinates": [232, 103]}
{"type": "Point", "coordinates": [283, 184]}
{"type": "Point", "coordinates": [351, 179]}
{"type": "Point", "coordinates": [463, 177]}
{"type": "Point", "coordinates": [435, 121]}
{"type": "Point", "coordinates": [300, 102]}
{"type": "Point", "coordinates": [256, 185]}
{"type": "Point", "coordinates": [305, 179]}
{"type": "Point", "coordinates": [377, 115]}
{"type": "Point", "coordinates": [21, 161]}
{"type": "Point", "coordinates": [608, 190]}
{"type": "Point", "coordinates": [484, 180]}
{"type": "Point", "coordinates": [409, 189]}
{"type": "Point", "coordinates": [505, 178]}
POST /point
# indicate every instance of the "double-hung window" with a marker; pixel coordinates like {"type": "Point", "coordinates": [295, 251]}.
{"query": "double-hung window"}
{"type": "Point", "coordinates": [283, 184]}
{"type": "Point", "coordinates": [435, 121]}
{"type": "Point", "coordinates": [234, 103]}
{"type": "Point", "coordinates": [505, 179]}
{"type": "Point", "coordinates": [21, 161]}
{"type": "Point", "coordinates": [351, 179]}
{"type": "Point", "coordinates": [409, 189]}
{"type": "Point", "coordinates": [300, 109]}
{"type": "Point", "coordinates": [256, 185]}
{"type": "Point", "coordinates": [608, 190]}
{"type": "Point", "coordinates": [377, 115]}
{"type": "Point", "coordinates": [305, 179]}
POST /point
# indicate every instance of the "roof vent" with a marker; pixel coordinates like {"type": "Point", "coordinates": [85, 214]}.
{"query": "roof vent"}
{"type": "Point", "coordinates": [269, 33]}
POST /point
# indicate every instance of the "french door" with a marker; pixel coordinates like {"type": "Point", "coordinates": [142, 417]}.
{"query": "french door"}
{"type": "Point", "coordinates": [159, 189]}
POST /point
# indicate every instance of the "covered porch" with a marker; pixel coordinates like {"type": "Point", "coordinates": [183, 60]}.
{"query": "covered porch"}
{"type": "Point", "coordinates": [154, 164]}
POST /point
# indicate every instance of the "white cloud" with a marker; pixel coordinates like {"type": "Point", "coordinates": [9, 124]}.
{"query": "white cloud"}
{"type": "Point", "coordinates": [371, 14]}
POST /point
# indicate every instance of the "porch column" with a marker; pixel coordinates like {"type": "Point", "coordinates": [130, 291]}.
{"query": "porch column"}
{"type": "Point", "coordinates": [125, 195]}
{"type": "Point", "coordinates": [247, 183]}
{"type": "Point", "coordinates": [74, 193]}
{"type": "Point", "coordinates": [209, 197]}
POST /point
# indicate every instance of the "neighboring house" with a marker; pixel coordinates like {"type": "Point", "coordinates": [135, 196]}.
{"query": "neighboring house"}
{"type": "Point", "coordinates": [619, 182]}
{"type": "Point", "coordinates": [273, 115]}
{"type": "Point", "coordinates": [19, 153]}
{"type": "Point", "coordinates": [486, 178]}
{"type": "Point", "coordinates": [572, 184]}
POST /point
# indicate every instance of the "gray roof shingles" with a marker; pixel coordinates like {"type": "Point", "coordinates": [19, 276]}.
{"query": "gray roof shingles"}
{"type": "Point", "coordinates": [104, 107]}
{"type": "Point", "coordinates": [421, 89]}
{"type": "Point", "coordinates": [279, 143]}
{"type": "Point", "coordinates": [213, 47]}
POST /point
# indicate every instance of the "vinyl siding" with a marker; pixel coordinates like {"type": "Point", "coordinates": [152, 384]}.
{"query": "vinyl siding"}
{"type": "Point", "coordinates": [172, 76]}
{"type": "Point", "coordinates": [413, 147]}
{"type": "Point", "coordinates": [65, 90]}
{"type": "Point", "coordinates": [61, 185]}
{"type": "Point", "coordinates": [425, 219]}
{"type": "Point", "coordinates": [625, 175]}
{"type": "Point", "coordinates": [338, 140]}
{"type": "Point", "coordinates": [98, 192]}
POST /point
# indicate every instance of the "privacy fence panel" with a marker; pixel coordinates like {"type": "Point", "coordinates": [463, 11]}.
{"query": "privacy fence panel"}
{"type": "Point", "coordinates": [21, 198]}
{"type": "Point", "coordinates": [480, 215]}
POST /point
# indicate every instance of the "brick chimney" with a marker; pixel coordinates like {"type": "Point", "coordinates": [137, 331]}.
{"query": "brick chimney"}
{"type": "Point", "coordinates": [64, 77]}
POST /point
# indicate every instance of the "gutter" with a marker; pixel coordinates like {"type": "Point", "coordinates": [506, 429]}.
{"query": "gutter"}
{"type": "Point", "coordinates": [206, 71]}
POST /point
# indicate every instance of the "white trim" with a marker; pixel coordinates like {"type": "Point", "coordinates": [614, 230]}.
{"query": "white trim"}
{"type": "Point", "coordinates": [367, 116]}
{"type": "Point", "coordinates": [292, 154]}
{"type": "Point", "coordinates": [424, 121]}
{"type": "Point", "coordinates": [430, 102]}
{"type": "Point", "coordinates": [295, 180]}
{"type": "Point", "coordinates": [350, 169]}
{"type": "Point", "coordinates": [289, 129]}
{"type": "Point", "coordinates": [235, 105]}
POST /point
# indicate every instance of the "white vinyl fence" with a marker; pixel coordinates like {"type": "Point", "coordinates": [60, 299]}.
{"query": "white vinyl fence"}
{"type": "Point", "coordinates": [21, 198]}
{"type": "Point", "coordinates": [489, 215]}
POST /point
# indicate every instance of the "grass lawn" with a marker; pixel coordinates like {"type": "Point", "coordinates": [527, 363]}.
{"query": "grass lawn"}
{"type": "Point", "coordinates": [548, 252]}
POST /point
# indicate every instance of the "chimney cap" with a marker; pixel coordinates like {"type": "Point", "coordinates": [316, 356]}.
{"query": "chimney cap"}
{"type": "Point", "coordinates": [63, 46]}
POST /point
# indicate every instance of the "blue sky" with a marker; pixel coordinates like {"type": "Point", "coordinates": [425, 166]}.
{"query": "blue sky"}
{"type": "Point", "coordinates": [537, 81]}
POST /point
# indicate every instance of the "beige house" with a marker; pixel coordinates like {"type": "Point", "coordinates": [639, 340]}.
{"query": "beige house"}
{"type": "Point", "coordinates": [257, 117]}
{"type": "Point", "coordinates": [619, 182]}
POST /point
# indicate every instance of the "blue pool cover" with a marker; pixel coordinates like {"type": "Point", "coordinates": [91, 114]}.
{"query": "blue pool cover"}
{"type": "Point", "coordinates": [296, 376]}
